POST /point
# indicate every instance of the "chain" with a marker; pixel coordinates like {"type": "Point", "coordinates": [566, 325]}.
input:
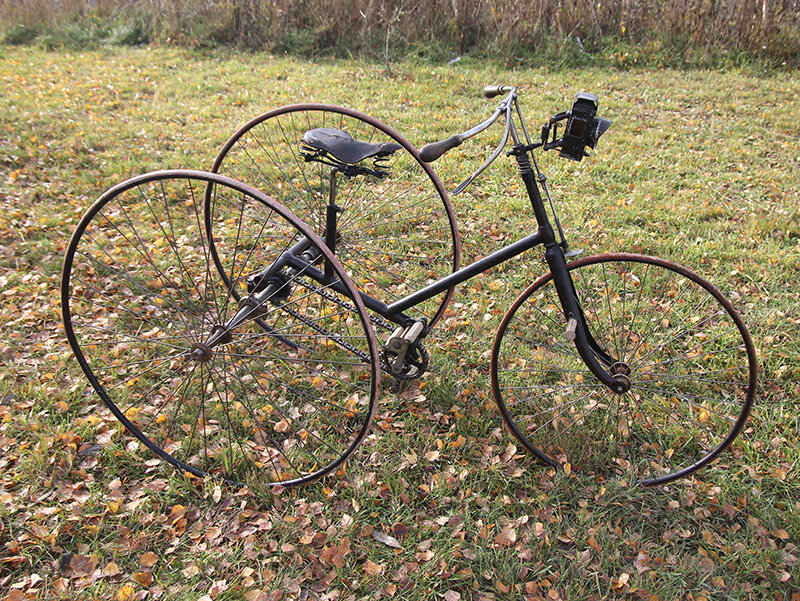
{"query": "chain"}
{"type": "Point", "coordinates": [332, 335]}
{"type": "Point", "coordinates": [376, 319]}
{"type": "Point", "coordinates": [420, 361]}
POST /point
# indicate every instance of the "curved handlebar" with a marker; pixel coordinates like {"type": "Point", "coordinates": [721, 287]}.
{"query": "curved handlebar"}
{"type": "Point", "coordinates": [432, 151]}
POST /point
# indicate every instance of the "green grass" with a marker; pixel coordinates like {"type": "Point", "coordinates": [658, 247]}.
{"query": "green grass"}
{"type": "Point", "coordinates": [699, 167]}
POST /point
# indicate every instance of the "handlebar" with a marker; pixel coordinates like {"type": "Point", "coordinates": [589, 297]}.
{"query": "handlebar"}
{"type": "Point", "coordinates": [432, 151]}
{"type": "Point", "coordinates": [582, 130]}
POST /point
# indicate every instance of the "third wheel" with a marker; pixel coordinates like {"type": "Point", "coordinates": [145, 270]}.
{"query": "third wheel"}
{"type": "Point", "coordinates": [395, 231]}
{"type": "Point", "coordinates": [678, 341]}
{"type": "Point", "coordinates": [277, 389]}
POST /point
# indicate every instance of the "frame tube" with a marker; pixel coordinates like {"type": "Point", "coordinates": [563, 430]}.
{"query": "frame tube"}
{"type": "Point", "coordinates": [470, 271]}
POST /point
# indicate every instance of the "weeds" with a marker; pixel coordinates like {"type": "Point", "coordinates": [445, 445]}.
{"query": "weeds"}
{"type": "Point", "coordinates": [668, 33]}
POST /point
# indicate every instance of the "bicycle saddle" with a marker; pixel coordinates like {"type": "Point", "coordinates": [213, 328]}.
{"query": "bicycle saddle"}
{"type": "Point", "coordinates": [343, 147]}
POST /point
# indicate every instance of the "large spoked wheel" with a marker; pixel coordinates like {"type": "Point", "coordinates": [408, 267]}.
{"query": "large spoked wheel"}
{"type": "Point", "coordinates": [678, 341]}
{"type": "Point", "coordinates": [283, 397]}
{"type": "Point", "coordinates": [394, 234]}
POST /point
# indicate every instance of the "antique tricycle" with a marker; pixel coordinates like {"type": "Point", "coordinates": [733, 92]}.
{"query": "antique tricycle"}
{"type": "Point", "coordinates": [238, 321]}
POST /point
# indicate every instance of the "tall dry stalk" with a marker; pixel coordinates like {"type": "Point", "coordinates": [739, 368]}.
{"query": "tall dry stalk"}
{"type": "Point", "coordinates": [386, 26]}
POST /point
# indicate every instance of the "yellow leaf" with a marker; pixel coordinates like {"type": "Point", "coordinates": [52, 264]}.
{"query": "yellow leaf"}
{"type": "Point", "coordinates": [372, 568]}
{"type": "Point", "coordinates": [143, 578]}
{"type": "Point", "coordinates": [125, 593]}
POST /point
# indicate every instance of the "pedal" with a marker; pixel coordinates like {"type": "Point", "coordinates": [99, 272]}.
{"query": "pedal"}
{"type": "Point", "coordinates": [398, 386]}
{"type": "Point", "coordinates": [396, 349]}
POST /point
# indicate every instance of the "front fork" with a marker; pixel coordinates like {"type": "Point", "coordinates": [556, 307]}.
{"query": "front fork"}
{"type": "Point", "coordinates": [594, 356]}
{"type": "Point", "coordinates": [577, 330]}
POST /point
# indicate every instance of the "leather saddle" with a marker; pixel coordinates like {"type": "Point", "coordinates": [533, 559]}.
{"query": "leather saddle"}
{"type": "Point", "coordinates": [344, 148]}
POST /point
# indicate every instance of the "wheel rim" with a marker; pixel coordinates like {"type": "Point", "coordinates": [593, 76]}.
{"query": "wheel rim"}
{"type": "Point", "coordinates": [141, 300]}
{"type": "Point", "coordinates": [394, 235]}
{"type": "Point", "coordinates": [681, 345]}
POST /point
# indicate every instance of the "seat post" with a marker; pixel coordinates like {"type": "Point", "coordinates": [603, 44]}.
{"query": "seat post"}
{"type": "Point", "coordinates": [330, 220]}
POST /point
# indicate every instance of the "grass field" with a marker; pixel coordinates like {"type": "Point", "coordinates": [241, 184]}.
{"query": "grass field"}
{"type": "Point", "coordinates": [699, 167]}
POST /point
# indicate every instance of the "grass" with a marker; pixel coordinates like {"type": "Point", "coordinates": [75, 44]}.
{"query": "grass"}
{"type": "Point", "coordinates": [699, 167]}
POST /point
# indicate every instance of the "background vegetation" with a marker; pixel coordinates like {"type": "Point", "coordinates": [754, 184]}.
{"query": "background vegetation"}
{"type": "Point", "coordinates": [699, 166]}
{"type": "Point", "coordinates": [667, 32]}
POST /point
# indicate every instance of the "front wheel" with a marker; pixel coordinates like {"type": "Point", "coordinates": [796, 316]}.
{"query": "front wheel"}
{"type": "Point", "coordinates": [686, 352]}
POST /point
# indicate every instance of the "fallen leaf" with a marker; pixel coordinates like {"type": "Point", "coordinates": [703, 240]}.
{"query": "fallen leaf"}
{"type": "Point", "coordinates": [507, 536]}
{"type": "Point", "coordinates": [83, 565]}
{"type": "Point", "coordinates": [190, 571]}
{"type": "Point", "coordinates": [111, 569]}
{"type": "Point", "coordinates": [641, 562]}
{"type": "Point", "coordinates": [373, 569]}
{"type": "Point", "coordinates": [620, 583]}
{"type": "Point", "coordinates": [424, 555]}
{"type": "Point", "coordinates": [387, 540]}
{"type": "Point", "coordinates": [432, 455]}
{"type": "Point", "coordinates": [125, 593]}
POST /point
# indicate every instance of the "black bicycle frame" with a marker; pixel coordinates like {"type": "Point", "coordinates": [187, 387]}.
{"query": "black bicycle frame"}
{"type": "Point", "coordinates": [394, 312]}
{"type": "Point", "coordinates": [588, 349]}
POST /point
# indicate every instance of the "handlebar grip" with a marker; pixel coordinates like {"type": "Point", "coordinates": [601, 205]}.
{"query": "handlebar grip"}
{"type": "Point", "coordinates": [431, 152]}
{"type": "Point", "coordinates": [492, 91]}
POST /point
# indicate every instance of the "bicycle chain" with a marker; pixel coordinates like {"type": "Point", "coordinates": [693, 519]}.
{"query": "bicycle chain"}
{"type": "Point", "coordinates": [376, 319]}
{"type": "Point", "coordinates": [423, 358]}
{"type": "Point", "coordinates": [346, 345]}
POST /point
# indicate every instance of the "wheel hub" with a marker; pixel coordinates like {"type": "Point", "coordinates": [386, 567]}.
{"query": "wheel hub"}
{"type": "Point", "coordinates": [621, 371]}
{"type": "Point", "coordinates": [201, 352]}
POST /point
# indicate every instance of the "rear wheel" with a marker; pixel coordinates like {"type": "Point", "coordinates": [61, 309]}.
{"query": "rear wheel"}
{"type": "Point", "coordinates": [678, 341]}
{"type": "Point", "coordinates": [395, 234]}
{"type": "Point", "coordinates": [283, 397]}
